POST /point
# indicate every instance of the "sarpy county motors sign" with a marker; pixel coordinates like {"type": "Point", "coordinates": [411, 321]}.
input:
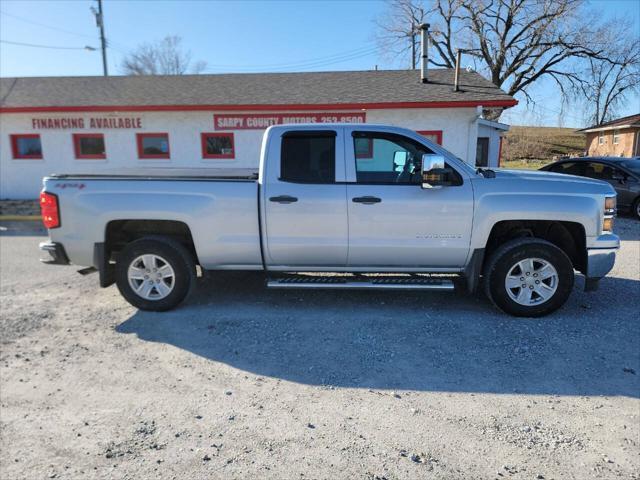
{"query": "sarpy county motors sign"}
{"type": "Point", "coordinates": [259, 121]}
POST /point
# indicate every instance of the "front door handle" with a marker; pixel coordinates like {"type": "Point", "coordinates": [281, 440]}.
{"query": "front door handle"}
{"type": "Point", "coordinates": [368, 200]}
{"type": "Point", "coordinates": [283, 199]}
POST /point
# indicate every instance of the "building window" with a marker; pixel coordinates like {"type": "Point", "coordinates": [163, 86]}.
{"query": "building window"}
{"type": "Point", "coordinates": [433, 135]}
{"type": "Point", "coordinates": [26, 147]}
{"type": "Point", "coordinates": [616, 137]}
{"type": "Point", "coordinates": [89, 146]}
{"type": "Point", "coordinates": [153, 145]}
{"type": "Point", "coordinates": [217, 145]}
{"type": "Point", "coordinates": [601, 138]}
{"type": "Point", "coordinates": [363, 148]}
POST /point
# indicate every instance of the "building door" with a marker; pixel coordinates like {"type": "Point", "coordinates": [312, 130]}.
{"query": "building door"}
{"type": "Point", "coordinates": [482, 152]}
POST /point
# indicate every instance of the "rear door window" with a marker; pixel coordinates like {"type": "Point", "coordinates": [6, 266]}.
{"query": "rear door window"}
{"type": "Point", "coordinates": [308, 157]}
{"type": "Point", "coordinates": [569, 168]}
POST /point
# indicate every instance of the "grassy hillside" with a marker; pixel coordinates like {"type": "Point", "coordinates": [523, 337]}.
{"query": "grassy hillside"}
{"type": "Point", "coordinates": [533, 147]}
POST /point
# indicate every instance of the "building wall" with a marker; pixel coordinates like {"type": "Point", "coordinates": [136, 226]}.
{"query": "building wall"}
{"type": "Point", "coordinates": [624, 147]}
{"type": "Point", "coordinates": [23, 178]}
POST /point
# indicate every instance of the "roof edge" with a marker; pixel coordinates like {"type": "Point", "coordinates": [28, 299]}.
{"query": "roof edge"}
{"type": "Point", "coordinates": [493, 124]}
{"type": "Point", "coordinates": [612, 127]}
{"type": "Point", "coordinates": [262, 107]}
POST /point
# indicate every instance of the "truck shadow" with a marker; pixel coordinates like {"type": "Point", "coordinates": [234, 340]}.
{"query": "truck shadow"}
{"type": "Point", "coordinates": [408, 341]}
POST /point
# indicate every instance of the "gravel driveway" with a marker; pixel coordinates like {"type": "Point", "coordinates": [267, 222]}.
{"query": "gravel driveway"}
{"type": "Point", "coordinates": [242, 382]}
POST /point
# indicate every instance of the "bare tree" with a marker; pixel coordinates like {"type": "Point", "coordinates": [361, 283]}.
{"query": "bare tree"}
{"type": "Point", "coordinates": [165, 57]}
{"type": "Point", "coordinates": [516, 43]}
{"type": "Point", "coordinates": [608, 83]}
{"type": "Point", "coordinates": [398, 29]}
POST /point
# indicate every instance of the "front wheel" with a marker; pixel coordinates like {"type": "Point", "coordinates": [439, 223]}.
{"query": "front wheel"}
{"type": "Point", "coordinates": [155, 273]}
{"type": "Point", "coordinates": [528, 277]}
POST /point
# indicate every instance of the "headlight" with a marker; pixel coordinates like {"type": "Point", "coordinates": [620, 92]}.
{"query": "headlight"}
{"type": "Point", "coordinates": [609, 213]}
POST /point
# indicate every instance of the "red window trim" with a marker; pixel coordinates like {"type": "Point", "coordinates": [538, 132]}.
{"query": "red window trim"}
{"type": "Point", "coordinates": [14, 146]}
{"type": "Point", "coordinates": [368, 155]}
{"type": "Point", "coordinates": [437, 133]}
{"type": "Point", "coordinates": [146, 156]}
{"type": "Point", "coordinates": [203, 143]}
{"type": "Point", "coordinates": [76, 146]}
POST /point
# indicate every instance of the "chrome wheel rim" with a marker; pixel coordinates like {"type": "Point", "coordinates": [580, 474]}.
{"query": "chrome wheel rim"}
{"type": "Point", "coordinates": [151, 277]}
{"type": "Point", "coordinates": [532, 281]}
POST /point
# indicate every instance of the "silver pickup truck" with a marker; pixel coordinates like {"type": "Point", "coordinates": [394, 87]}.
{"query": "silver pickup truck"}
{"type": "Point", "coordinates": [378, 207]}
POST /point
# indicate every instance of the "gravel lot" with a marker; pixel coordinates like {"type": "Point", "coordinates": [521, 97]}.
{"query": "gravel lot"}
{"type": "Point", "coordinates": [242, 382]}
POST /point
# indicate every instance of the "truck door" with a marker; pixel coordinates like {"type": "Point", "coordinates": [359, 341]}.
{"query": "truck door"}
{"type": "Point", "coordinates": [304, 199]}
{"type": "Point", "coordinates": [393, 222]}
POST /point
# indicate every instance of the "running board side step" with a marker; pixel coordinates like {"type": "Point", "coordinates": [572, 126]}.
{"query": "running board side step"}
{"type": "Point", "coordinates": [376, 283]}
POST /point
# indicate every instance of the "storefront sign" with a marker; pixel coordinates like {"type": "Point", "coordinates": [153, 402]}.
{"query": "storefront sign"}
{"type": "Point", "coordinates": [259, 121]}
{"type": "Point", "coordinates": [77, 123]}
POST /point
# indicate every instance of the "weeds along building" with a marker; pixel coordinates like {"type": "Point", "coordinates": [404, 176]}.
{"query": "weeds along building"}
{"type": "Point", "coordinates": [92, 124]}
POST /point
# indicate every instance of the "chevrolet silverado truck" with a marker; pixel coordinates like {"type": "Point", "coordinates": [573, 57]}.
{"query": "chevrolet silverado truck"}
{"type": "Point", "coordinates": [337, 206]}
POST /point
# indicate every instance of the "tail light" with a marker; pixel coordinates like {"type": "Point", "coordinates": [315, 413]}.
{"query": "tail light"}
{"type": "Point", "coordinates": [50, 210]}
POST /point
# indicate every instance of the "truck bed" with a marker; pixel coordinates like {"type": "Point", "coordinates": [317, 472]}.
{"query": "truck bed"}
{"type": "Point", "coordinates": [219, 207]}
{"type": "Point", "coordinates": [166, 173]}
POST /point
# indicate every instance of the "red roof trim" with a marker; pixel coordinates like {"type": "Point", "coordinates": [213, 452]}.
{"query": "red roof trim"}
{"type": "Point", "coordinates": [274, 107]}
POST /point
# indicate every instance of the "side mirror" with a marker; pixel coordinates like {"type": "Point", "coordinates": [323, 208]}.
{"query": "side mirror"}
{"type": "Point", "coordinates": [433, 171]}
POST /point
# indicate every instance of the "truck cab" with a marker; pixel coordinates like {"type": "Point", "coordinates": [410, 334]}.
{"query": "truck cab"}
{"type": "Point", "coordinates": [350, 198]}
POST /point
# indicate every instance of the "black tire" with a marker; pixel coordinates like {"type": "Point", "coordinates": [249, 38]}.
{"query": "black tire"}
{"type": "Point", "coordinates": [174, 254]}
{"type": "Point", "coordinates": [635, 209]}
{"type": "Point", "coordinates": [504, 258]}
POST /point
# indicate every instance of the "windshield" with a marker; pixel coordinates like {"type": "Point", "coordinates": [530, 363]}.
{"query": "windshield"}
{"type": "Point", "coordinates": [633, 165]}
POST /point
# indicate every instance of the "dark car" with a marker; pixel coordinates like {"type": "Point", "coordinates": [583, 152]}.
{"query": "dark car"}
{"type": "Point", "coordinates": [622, 173]}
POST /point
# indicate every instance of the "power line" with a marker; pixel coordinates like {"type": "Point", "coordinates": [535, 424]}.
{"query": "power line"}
{"type": "Point", "coordinates": [26, 20]}
{"type": "Point", "coordinates": [110, 43]}
{"type": "Point", "coordinates": [33, 45]}
{"type": "Point", "coordinates": [326, 57]}
{"type": "Point", "coordinates": [311, 63]}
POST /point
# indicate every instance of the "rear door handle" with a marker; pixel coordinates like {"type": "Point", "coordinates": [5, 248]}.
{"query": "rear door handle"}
{"type": "Point", "coordinates": [283, 199]}
{"type": "Point", "coordinates": [368, 200]}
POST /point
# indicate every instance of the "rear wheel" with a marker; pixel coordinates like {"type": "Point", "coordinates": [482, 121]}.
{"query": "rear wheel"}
{"type": "Point", "coordinates": [636, 209]}
{"type": "Point", "coordinates": [155, 273]}
{"type": "Point", "coordinates": [528, 277]}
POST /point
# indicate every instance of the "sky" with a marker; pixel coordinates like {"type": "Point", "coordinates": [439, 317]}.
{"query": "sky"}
{"type": "Point", "coordinates": [235, 36]}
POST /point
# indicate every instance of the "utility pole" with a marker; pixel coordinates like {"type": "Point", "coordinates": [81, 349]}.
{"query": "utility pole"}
{"type": "Point", "coordinates": [103, 41]}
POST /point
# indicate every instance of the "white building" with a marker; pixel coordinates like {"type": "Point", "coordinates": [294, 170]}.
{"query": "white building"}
{"type": "Point", "coordinates": [90, 124]}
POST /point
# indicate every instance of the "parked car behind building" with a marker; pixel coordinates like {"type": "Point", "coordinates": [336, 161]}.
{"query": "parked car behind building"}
{"type": "Point", "coordinates": [622, 173]}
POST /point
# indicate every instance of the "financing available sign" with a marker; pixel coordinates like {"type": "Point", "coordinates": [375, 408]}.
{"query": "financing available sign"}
{"type": "Point", "coordinates": [260, 121]}
{"type": "Point", "coordinates": [64, 123]}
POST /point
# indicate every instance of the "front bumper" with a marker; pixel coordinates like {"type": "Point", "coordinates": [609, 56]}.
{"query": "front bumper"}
{"type": "Point", "coordinates": [600, 261]}
{"type": "Point", "coordinates": [56, 252]}
{"type": "Point", "coordinates": [601, 256]}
